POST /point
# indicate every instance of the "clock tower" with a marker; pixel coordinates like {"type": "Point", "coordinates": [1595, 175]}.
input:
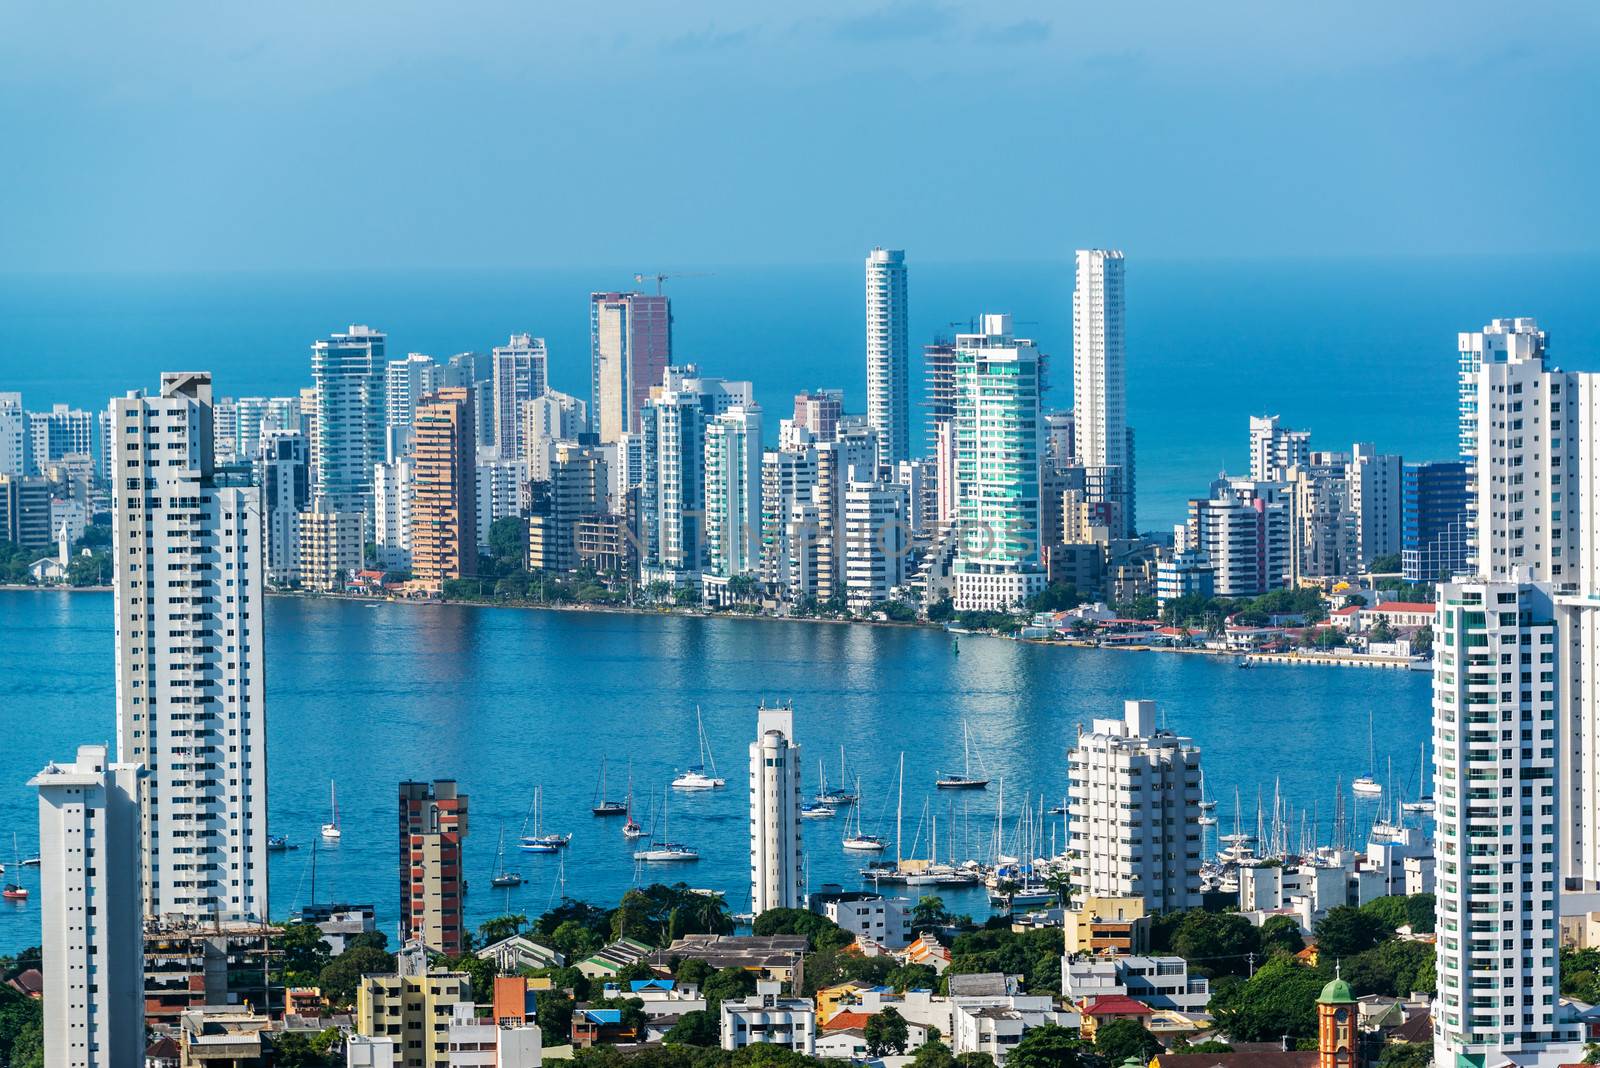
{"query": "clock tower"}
{"type": "Point", "coordinates": [1338, 1045]}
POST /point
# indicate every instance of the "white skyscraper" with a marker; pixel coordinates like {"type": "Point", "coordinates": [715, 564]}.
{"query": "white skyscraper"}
{"type": "Point", "coordinates": [1135, 803]}
{"type": "Point", "coordinates": [191, 675]}
{"type": "Point", "coordinates": [519, 375]}
{"type": "Point", "coordinates": [877, 539]}
{"type": "Point", "coordinates": [1099, 361]}
{"type": "Point", "coordinates": [733, 496]}
{"type": "Point", "coordinates": [777, 880]}
{"type": "Point", "coordinates": [91, 916]}
{"type": "Point", "coordinates": [888, 395]}
{"type": "Point", "coordinates": [405, 382]}
{"type": "Point", "coordinates": [16, 441]}
{"type": "Point", "coordinates": [393, 490]}
{"type": "Point", "coordinates": [348, 423]}
{"type": "Point", "coordinates": [1275, 448]}
{"type": "Point", "coordinates": [283, 473]}
{"type": "Point", "coordinates": [1374, 501]}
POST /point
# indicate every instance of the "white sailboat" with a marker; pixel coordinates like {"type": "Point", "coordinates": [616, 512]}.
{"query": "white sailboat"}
{"type": "Point", "coordinates": [838, 795]}
{"type": "Point", "coordinates": [1367, 785]}
{"type": "Point", "coordinates": [859, 842]}
{"type": "Point", "coordinates": [631, 829]}
{"type": "Point", "coordinates": [964, 781]}
{"type": "Point", "coordinates": [1207, 816]}
{"type": "Point", "coordinates": [330, 830]}
{"type": "Point", "coordinates": [696, 778]}
{"type": "Point", "coordinates": [503, 878]}
{"type": "Point", "coordinates": [538, 841]}
{"type": "Point", "coordinates": [666, 851]}
{"type": "Point", "coordinates": [1424, 802]}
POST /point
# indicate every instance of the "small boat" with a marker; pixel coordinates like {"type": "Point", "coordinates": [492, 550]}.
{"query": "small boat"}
{"type": "Point", "coordinates": [666, 851]}
{"type": "Point", "coordinates": [602, 806]}
{"type": "Point", "coordinates": [1208, 821]}
{"type": "Point", "coordinates": [1029, 894]}
{"type": "Point", "coordinates": [503, 878]}
{"type": "Point", "coordinates": [1206, 804]}
{"type": "Point", "coordinates": [860, 842]}
{"type": "Point", "coordinates": [277, 843]}
{"type": "Point", "coordinates": [538, 841]}
{"type": "Point", "coordinates": [816, 812]}
{"type": "Point", "coordinates": [838, 796]}
{"type": "Point", "coordinates": [965, 781]}
{"type": "Point", "coordinates": [330, 830]}
{"type": "Point", "coordinates": [1241, 661]}
{"type": "Point", "coordinates": [30, 862]}
{"type": "Point", "coordinates": [1367, 785]}
{"type": "Point", "coordinates": [13, 892]}
{"type": "Point", "coordinates": [631, 829]}
{"type": "Point", "coordinates": [696, 778]}
{"type": "Point", "coordinates": [1423, 803]}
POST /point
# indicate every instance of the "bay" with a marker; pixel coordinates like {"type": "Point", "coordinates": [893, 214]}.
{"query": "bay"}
{"type": "Point", "coordinates": [504, 700]}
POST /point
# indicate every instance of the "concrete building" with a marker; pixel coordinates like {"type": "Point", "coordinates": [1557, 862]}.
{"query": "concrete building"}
{"type": "Point", "coordinates": [1106, 925]}
{"type": "Point", "coordinates": [283, 473]}
{"type": "Point", "coordinates": [502, 490]}
{"type": "Point", "coordinates": [484, 1042]}
{"type": "Point", "coordinates": [224, 431]}
{"type": "Point", "coordinates": [16, 440]}
{"type": "Point", "coordinates": [1275, 448]}
{"type": "Point", "coordinates": [1099, 369]}
{"type": "Point", "coordinates": [330, 548]}
{"type": "Point", "coordinates": [888, 394]}
{"type": "Point", "coordinates": [91, 911]}
{"type": "Point", "coordinates": [1243, 529]}
{"type": "Point", "coordinates": [818, 412]}
{"type": "Point", "coordinates": [877, 542]}
{"type": "Point", "coordinates": [444, 517]}
{"type": "Point", "coordinates": [997, 468]}
{"type": "Point", "coordinates": [630, 348]}
{"type": "Point", "coordinates": [393, 490]}
{"type": "Point", "coordinates": [348, 371]}
{"type": "Point", "coordinates": [414, 1010]}
{"type": "Point", "coordinates": [405, 383]}
{"type": "Point", "coordinates": [1160, 982]}
{"type": "Point", "coordinates": [520, 375]}
{"type": "Point", "coordinates": [1496, 764]}
{"type": "Point", "coordinates": [1184, 573]}
{"type": "Point", "coordinates": [885, 921]}
{"type": "Point", "coordinates": [547, 419]}
{"type": "Point", "coordinates": [1435, 519]}
{"type": "Point", "coordinates": [433, 827]}
{"type": "Point", "coordinates": [732, 498]}
{"type": "Point", "coordinates": [25, 506]}
{"type": "Point", "coordinates": [1134, 812]}
{"type": "Point", "coordinates": [787, 478]}
{"type": "Point", "coordinates": [767, 1017]}
{"type": "Point", "coordinates": [62, 431]}
{"type": "Point", "coordinates": [777, 879]}
{"type": "Point", "coordinates": [575, 489]}
{"type": "Point", "coordinates": [191, 672]}
{"type": "Point", "coordinates": [1375, 496]}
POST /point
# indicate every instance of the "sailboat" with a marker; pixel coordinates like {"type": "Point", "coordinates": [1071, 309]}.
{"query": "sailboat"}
{"type": "Point", "coordinates": [1366, 785]}
{"type": "Point", "coordinates": [601, 806]}
{"type": "Point", "coordinates": [1424, 801]}
{"type": "Point", "coordinates": [964, 781]}
{"type": "Point", "coordinates": [14, 891]}
{"type": "Point", "coordinates": [330, 830]}
{"type": "Point", "coordinates": [665, 850]}
{"type": "Point", "coordinates": [503, 878]}
{"type": "Point", "coordinates": [538, 841]}
{"type": "Point", "coordinates": [838, 795]}
{"type": "Point", "coordinates": [696, 778]}
{"type": "Point", "coordinates": [631, 829]}
{"type": "Point", "coordinates": [860, 842]}
{"type": "Point", "coordinates": [1207, 817]}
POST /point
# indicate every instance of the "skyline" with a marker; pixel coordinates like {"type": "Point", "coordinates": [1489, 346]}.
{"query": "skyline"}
{"type": "Point", "coordinates": [493, 137]}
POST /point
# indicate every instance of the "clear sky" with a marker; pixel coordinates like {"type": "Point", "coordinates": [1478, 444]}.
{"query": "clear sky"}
{"type": "Point", "coordinates": [378, 133]}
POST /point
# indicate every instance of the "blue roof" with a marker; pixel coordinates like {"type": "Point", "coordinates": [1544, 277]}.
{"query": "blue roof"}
{"type": "Point", "coordinates": [604, 1016]}
{"type": "Point", "coordinates": [652, 984]}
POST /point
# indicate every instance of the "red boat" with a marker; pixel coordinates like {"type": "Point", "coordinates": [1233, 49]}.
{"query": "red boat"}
{"type": "Point", "coordinates": [13, 892]}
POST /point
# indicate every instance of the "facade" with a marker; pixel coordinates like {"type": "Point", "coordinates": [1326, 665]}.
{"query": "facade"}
{"type": "Point", "coordinates": [393, 488]}
{"type": "Point", "coordinates": [575, 489]}
{"type": "Point", "coordinates": [768, 1018]}
{"type": "Point", "coordinates": [546, 419]}
{"type": "Point", "coordinates": [433, 826]}
{"type": "Point", "coordinates": [1375, 502]}
{"type": "Point", "coordinates": [25, 507]}
{"type": "Point", "coordinates": [1275, 448]}
{"type": "Point", "coordinates": [877, 541]}
{"type": "Point", "coordinates": [1099, 360]}
{"type": "Point", "coordinates": [787, 478]}
{"type": "Point", "coordinates": [1496, 765]}
{"type": "Point", "coordinates": [1243, 530]}
{"type": "Point", "coordinates": [191, 672]}
{"type": "Point", "coordinates": [1134, 811]}
{"type": "Point", "coordinates": [733, 495]}
{"type": "Point", "coordinates": [61, 432]}
{"type": "Point", "coordinates": [1184, 574]}
{"type": "Point", "coordinates": [883, 920]}
{"type": "Point", "coordinates": [630, 348]}
{"type": "Point", "coordinates": [444, 506]}
{"type": "Point", "coordinates": [502, 491]}
{"type": "Point", "coordinates": [777, 879]}
{"type": "Point", "coordinates": [414, 1011]}
{"type": "Point", "coordinates": [997, 468]}
{"type": "Point", "coordinates": [330, 548]}
{"type": "Point", "coordinates": [405, 382]}
{"type": "Point", "coordinates": [348, 371]}
{"type": "Point", "coordinates": [89, 829]}
{"type": "Point", "coordinates": [283, 473]}
{"type": "Point", "coordinates": [818, 412]}
{"type": "Point", "coordinates": [520, 375]}
{"type": "Point", "coordinates": [16, 440]}
{"type": "Point", "coordinates": [888, 394]}
{"type": "Point", "coordinates": [1435, 516]}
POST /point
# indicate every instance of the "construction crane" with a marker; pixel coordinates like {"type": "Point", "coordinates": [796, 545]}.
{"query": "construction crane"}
{"type": "Point", "coordinates": [641, 279]}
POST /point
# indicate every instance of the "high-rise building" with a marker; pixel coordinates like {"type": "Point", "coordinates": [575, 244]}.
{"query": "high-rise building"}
{"type": "Point", "coordinates": [1497, 760]}
{"type": "Point", "coordinates": [1374, 499]}
{"type": "Point", "coordinates": [444, 523]}
{"type": "Point", "coordinates": [191, 668]}
{"type": "Point", "coordinates": [331, 547]}
{"type": "Point", "coordinates": [393, 489]}
{"type": "Point", "coordinates": [877, 539]}
{"type": "Point", "coordinates": [61, 432]}
{"type": "Point", "coordinates": [283, 473]}
{"type": "Point", "coordinates": [347, 435]}
{"type": "Point", "coordinates": [1099, 359]}
{"type": "Point", "coordinates": [1244, 530]}
{"type": "Point", "coordinates": [413, 1008]}
{"type": "Point", "coordinates": [405, 382]}
{"type": "Point", "coordinates": [1275, 448]}
{"type": "Point", "coordinates": [997, 468]}
{"type": "Point", "coordinates": [547, 419]}
{"type": "Point", "coordinates": [25, 512]}
{"type": "Point", "coordinates": [1434, 519]}
{"type": "Point", "coordinates": [787, 478]}
{"type": "Point", "coordinates": [91, 920]}
{"type": "Point", "coordinates": [520, 374]}
{"type": "Point", "coordinates": [630, 347]}
{"type": "Point", "coordinates": [819, 411]}
{"type": "Point", "coordinates": [575, 489]}
{"type": "Point", "coordinates": [433, 827]}
{"type": "Point", "coordinates": [1135, 801]}
{"type": "Point", "coordinates": [888, 392]}
{"type": "Point", "coordinates": [777, 878]}
{"type": "Point", "coordinates": [225, 431]}
{"type": "Point", "coordinates": [732, 497]}
{"type": "Point", "coordinates": [502, 489]}
{"type": "Point", "coordinates": [16, 440]}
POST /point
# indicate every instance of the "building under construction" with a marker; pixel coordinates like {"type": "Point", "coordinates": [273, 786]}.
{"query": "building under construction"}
{"type": "Point", "coordinates": [191, 963]}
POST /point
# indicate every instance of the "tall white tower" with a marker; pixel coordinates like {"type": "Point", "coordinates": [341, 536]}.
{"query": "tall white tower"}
{"type": "Point", "coordinates": [191, 670]}
{"type": "Point", "coordinates": [888, 401]}
{"type": "Point", "coordinates": [733, 492]}
{"type": "Point", "coordinates": [93, 927]}
{"type": "Point", "coordinates": [776, 881]}
{"type": "Point", "coordinates": [519, 375]}
{"type": "Point", "coordinates": [1099, 361]}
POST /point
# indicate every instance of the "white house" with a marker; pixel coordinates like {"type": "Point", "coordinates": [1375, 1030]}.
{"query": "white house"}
{"type": "Point", "coordinates": [769, 1018]}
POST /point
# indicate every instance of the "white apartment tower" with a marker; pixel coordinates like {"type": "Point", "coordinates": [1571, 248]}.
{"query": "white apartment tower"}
{"type": "Point", "coordinates": [191, 674]}
{"type": "Point", "coordinates": [777, 880]}
{"type": "Point", "coordinates": [406, 382]}
{"type": "Point", "coordinates": [733, 493]}
{"type": "Point", "coordinates": [1497, 761]}
{"type": "Point", "coordinates": [520, 374]}
{"type": "Point", "coordinates": [877, 538]}
{"type": "Point", "coordinates": [1374, 501]}
{"type": "Point", "coordinates": [16, 441]}
{"type": "Point", "coordinates": [283, 473]}
{"type": "Point", "coordinates": [1134, 808]}
{"type": "Point", "coordinates": [1275, 448]}
{"type": "Point", "coordinates": [347, 428]}
{"type": "Point", "coordinates": [91, 916]}
{"type": "Point", "coordinates": [393, 490]}
{"type": "Point", "coordinates": [888, 399]}
{"type": "Point", "coordinates": [1099, 361]}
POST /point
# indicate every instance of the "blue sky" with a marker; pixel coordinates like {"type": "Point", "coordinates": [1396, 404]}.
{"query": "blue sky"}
{"type": "Point", "coordinates": [189, 135]}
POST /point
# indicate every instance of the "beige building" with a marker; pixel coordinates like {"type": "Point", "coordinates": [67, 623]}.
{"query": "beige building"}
{"type": "Point", "coordinates": [1107, 924]}
{"type": "Point", "coordinates": [331, 547]}
{"type": "Point", "coordinates": [444, 519]}
{"type": "Point", "coordinates": [412, 1009]}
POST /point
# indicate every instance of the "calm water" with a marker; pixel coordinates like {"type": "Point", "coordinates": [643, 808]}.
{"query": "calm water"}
{"type": "Point", "coordinates": [1353, 349]}
{"type": "Point", "coordinates": [505, 700]}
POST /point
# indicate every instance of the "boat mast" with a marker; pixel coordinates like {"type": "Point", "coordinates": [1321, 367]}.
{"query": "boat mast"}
{"type": "Point", "coordinates": [899, 807]}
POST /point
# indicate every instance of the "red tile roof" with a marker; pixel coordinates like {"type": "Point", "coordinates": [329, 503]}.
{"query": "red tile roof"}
{"type": "Point", "coordinates": [845, 1019]}
{"type": "Point", "coordinates": [1117, 1005]}
{"type": "Point", "coordinates": [1401, 606]}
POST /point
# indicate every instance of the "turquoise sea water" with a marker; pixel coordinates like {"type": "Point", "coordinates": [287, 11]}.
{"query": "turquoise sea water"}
{"type": "Point", "coordinates": [1352, 349]}
{"type": "Point", "coordinates": [504, 700]}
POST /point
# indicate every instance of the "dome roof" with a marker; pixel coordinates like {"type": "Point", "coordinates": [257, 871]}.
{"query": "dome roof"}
{"type": "Point", "coordinates": [1337, 992]}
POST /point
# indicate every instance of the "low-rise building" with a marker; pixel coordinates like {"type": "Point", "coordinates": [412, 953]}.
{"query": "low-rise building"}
{"type": "Point", "coordinates": [1106, 925]}
{"type": "Point", "coordinates": [769, 1018]}
{"type": "Point", "coordinates": [774, 957]}
{"type": "Point", "coordinates": [415, 1010]}
{"type": "Point", "coordinates": [1159, 982]}
{"type": "Point", "coordinates": [884, 920]}
{"type": "Point", "coordinates": [660, 997]}
{"type": "Point", "coordinates": [222, 1035]}
{"type": "Point", "coordinates": [611, 959]}
{"type": "Point", "coordinates": [482, 1042]}
{"type": "Point", "coordinates": [521, 953]}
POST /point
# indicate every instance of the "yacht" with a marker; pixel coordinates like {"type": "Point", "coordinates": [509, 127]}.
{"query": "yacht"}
{"type": "Point", "coordinates": [666, 851]}
{"type": "Point", "coordinates": [696, 778]}
{"type": "Point", "coordinates": [538, 841]}
{"type": "Point", "coordinates": [330, 830]}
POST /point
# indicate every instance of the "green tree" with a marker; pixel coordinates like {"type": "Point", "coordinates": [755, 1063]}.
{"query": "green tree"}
{"type": "Point", "coordinates": [508, 541]}
{"type": "Point", "coordinates": [822, 932]}
{"type": "Point", "coordinates": [887, 1033]}
{"type": "Point", "coordinates": [1389, 911]}
{"type": "Point", "coordinates": [1392, 969]}
{"type": "Point", "coordinates": [1121, 1040]}
{"type": "Point", "coordinates": [21, 1028]}
{"type": "Point", "coordinates": [1389, 563]}
{"type": "Point", "coordinates": [695, 1029]}
{"type": "Point", "coordinates": [574, 941]}
{"type": "Point", "coordinates": [341, 976]}
{"type": "Point", "coordinates": [1281, 934]}
{"type": "Point", "coordinates": [912, 977]}
{"type": "Point", "coordinates": [1280, 999]}
{"type": "Point", "coordinates": [554, 1017]}
{"type": "Point", "coordinates": [975, 1060]}
{"type": "Point", "coordinates": [693, 971]}
{"type": "Point", "coordinates": [1406, 1055]}
{"type": "Point", "coordinates": [500, 928]}
{"type": "Point", "coordinates": [929, 913]}
{"type": "Point", "coordinates": [1049, 1046]}
{"type": "Point", "coordinates": [295, 1049]}
{"type": "Point", "coordinates": [479, 970]}
{"type": "Point", "coordinates": [1420, 913]}
{"type": "Point", "coordinates": [933, 1054]}
{"type": "Point", "coordinates": [727, 984]}
{"type": "Point", "coordinates": [1216, 943]}
{"type": "Point", "coordinates": [1346, 931]}
{"type": "Point", "coordinates": [305, 953]}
